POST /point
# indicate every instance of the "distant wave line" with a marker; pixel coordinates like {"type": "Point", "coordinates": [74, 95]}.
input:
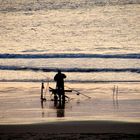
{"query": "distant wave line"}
{"type": "Point", "coordinates": [86, 70]}
{"type": "Point", "coordinates": [29, 5]}
{"type": "Point", "coordinates": [71, 81]}
{"type": "Point", "coordinates": [63, 55]}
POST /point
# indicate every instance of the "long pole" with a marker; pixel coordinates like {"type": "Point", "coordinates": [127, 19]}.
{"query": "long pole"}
{"type": "Point", "coordinates": [42, 87]}
{"type": "Point", "coordinates": [78, 93]}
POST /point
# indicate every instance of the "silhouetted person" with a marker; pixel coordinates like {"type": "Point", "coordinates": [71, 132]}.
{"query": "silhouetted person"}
{"type": "Point", "coordinates": [59, 78]}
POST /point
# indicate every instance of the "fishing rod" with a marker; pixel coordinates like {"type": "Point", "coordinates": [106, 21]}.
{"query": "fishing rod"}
{"type": "Point", "coordinates": [54, 90]}
{"type": "Point", "coordinates": [48, 88]}
{"type": "Point", "coordinates": [78, 93]}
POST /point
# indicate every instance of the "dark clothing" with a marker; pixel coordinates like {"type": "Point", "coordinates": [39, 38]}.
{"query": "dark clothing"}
{"type": "Point", "coordinates": [59, 78]}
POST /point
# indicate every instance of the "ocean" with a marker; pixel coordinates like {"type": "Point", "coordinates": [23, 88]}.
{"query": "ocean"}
{"type": "Point", "coordinates": [91, 41]}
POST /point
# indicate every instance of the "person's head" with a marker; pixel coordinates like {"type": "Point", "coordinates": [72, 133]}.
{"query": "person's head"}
{"type": "Point", "coordinates": [59, 71]}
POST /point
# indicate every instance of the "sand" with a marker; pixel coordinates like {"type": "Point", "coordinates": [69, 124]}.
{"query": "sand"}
{"type": "Point", "coordinates": [21, 114]}
{"type": "Point", "coordinates": [72, 130]}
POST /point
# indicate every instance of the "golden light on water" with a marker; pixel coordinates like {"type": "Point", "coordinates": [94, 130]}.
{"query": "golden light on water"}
{"type": "Point", "coordinates": [20, 102]}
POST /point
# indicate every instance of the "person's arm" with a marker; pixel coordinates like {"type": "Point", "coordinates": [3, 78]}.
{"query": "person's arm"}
{"type": "Point", "coordinates": [55, 78]}
{"type": "Point", "coordinates": [64, 76]}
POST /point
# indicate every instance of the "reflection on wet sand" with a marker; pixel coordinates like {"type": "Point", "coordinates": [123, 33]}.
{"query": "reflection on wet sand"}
{"type": "Point", "coordinates": [24, 104]}
{"type": "Point", "coordinates": [59, 106]}
{"type": "Point", "coordinates": [60, 109]}
{"type": "Point", "coordinates": [115, 97]}
{"type": "Point", "coordinates": [42, 106]}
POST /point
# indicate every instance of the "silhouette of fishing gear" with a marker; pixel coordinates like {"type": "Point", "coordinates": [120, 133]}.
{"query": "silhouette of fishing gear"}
{"type": "Point", "coordinates": [47, 89]}
{"type": "Point", "coordinates": [43, 93]}
{"type": "Point", "coordinates": [78, 93]}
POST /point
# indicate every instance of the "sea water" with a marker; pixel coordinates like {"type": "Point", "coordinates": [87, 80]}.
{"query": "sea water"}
{"type": "Point", "coordinates": [90, 41]}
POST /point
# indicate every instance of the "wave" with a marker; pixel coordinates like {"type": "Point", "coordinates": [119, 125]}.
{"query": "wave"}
{"type": "Point", "coordinates": [85, 70]}
{"type": "Point", "coordinates": [71, 81]}
{"type": "Point", "coordinates": [63, 55]}
{"type": "Point", "coordinates": [31, 5]}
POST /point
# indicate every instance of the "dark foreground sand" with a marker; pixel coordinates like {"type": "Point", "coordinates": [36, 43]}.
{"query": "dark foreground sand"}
{"type": "Point", "coordinates": [72, 130]}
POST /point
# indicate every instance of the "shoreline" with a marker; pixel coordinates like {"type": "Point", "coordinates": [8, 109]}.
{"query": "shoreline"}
{"type": "Point", "coordinates": [74, 127]}
{"type": "Point", "coordinates": [73, 130]}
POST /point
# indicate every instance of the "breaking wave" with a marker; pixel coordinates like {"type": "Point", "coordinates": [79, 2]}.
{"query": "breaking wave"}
{"type": "Point", "coordinates": [86, 70]}
{"type": "Point", "coordinates": [70, 81]}
{"type": "Point", "coordinates": [61, 55]}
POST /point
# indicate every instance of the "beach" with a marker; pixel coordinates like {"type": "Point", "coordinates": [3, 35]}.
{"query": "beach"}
{"type": "Point", "coordinates": [23, 117]}
{"type": "Point", "coordinates": [95, 43]}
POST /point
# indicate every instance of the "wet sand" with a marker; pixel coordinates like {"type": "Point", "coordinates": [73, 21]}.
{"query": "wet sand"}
{"type": "Point", "coordinates": [20, 103]}
{"type": "Point", "coordinates": [22, 116]}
